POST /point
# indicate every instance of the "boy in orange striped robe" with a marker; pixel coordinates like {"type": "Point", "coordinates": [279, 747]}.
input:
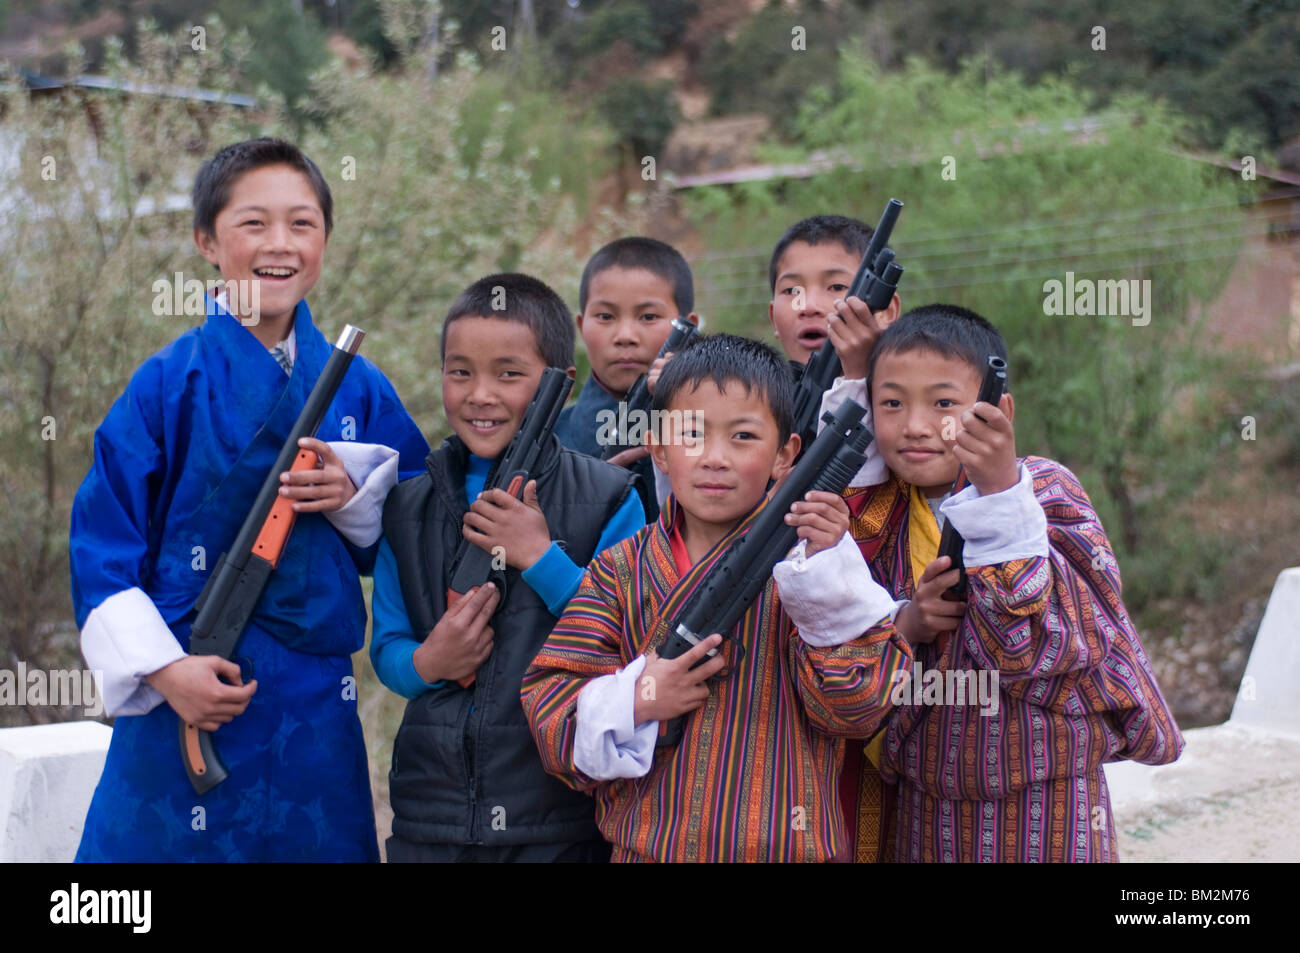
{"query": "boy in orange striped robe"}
{"type": "Point", "coordinates": [753, 776]}
{"type": "Point", "coordinates": [1021, 693]}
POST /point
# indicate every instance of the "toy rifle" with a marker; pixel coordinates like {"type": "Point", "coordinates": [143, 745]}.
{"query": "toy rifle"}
{"type": "Point", "coordinates": [875, 283]}
{"type": "Point", "coordinates": [474, 565]}
{"type": "Point", "coordinates": [950, 543]}
{"type": "Point", "coordinates": [228, 600]}
{"type": "Point", "coordinates": [638, 398]}
{"type": "Point", "coordinates": [740, 574]}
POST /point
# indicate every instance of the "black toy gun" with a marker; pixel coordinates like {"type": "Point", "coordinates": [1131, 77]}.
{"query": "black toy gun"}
{"type": "Point", "coordinates": [992, 388]}
{"type": "Point", "coordinates": [738, 577]}
{"type": "Point", "coordinates": [227, 601]}
{"type": "Point", "coordinates": [638, 398]}
{"type": "Point", "coordinates": [473, 565]}
{"type": "Point", "coordinates": [875, 283]}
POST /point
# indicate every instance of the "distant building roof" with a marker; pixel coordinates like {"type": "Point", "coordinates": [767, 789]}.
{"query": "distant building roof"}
{"type": "Point", "coordinates": [38, 83]}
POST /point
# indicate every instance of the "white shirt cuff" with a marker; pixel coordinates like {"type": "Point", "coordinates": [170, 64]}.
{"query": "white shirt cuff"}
{"type": "Point", "coordinates": [125, 639]}
{"type": "Point", "coordinates": [606, 744]}
{"type": "Point", "coordinates": [873, 470]}
{"type": "Point", "coordinates": [372, 468]}
{"type": "Point", "coordinates": [831, 596]}
{"type": "Point", "coordinates": [1001, 526]}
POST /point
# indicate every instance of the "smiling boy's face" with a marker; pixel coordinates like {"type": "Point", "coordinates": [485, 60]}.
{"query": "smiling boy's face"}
{"type": "Point", "coordinates": [490, 372]}
{"type": "Point", "coordinates": [628, 317]}
{"type": "Point", "coordinates": [271, 231]}
{"type": "Point", "coordinates": [808, 280]}
{"type": "Point", "coordinates": [720, 465]}
{"type": "Point", "coordinates": [917, 399]}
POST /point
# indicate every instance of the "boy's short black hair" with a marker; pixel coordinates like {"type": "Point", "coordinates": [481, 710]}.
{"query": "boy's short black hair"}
{"type": "Point", "coordinates": [651, 254]}
{"type": "Point", "coordinates": [852, 234]}
{"type": "Point", "coordinates": [522, 298]}
{"type": "Point", "coordinates": [946, 329]}
{"type": "Point", "coordinates": [728, 358]}
{"type": "Point", "coordinates": [213, 183]}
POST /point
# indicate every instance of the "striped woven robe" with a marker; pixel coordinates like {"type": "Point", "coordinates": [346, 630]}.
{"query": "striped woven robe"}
{"type": "Point", "coordinates": [753, 778]}
{"type": "Point", "coordinates": [1075, 690]}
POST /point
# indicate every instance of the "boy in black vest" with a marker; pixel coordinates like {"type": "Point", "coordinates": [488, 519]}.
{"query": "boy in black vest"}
{"type": "Point", "coordinates": [467, 783]}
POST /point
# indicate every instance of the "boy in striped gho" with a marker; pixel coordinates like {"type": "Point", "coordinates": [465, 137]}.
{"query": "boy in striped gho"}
{"type": "Point", "coordinates": [753, 776]}
{"type": "Point", "coordinates": [1019, 779]}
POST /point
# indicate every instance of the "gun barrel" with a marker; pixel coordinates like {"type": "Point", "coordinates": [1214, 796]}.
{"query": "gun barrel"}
{"type": "Point", "coordinates": [232, 593]}
{"type": "Point", "coordinates": [473, 564]}
{"type": "Point", "coordinates": [738, 577]}
{"type": "Point", "coordinates": [992, 388]}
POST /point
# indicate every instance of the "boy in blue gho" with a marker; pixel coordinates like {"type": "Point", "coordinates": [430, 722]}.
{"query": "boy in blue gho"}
{"type": "Point", "coordinates": [177, 464]}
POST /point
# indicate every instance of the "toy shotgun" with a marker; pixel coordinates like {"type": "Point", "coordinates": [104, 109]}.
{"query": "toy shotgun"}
{"type": "Point", "coordinates": [875, 283]}
{"type": "Point", "coordinates": [740, 574]}
{"type": "Point", "coordinates": [638, 398]}
{"type": "Point", "coordinates": [227, 601]}
{"type": "Point", "coordinates": [473, 565]}
{"type": "Point", "coordinates": [950, 543]}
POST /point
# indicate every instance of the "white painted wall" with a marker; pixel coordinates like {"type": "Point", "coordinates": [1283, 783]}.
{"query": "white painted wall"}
{"type": "Point", "coordinates": [47, 776]}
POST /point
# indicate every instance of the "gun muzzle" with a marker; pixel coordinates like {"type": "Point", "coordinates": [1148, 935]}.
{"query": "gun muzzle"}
{"type": "Point", "coordinates": [350, 339]}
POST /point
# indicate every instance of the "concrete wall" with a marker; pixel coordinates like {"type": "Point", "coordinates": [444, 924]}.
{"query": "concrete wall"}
{"type": "Point", "coordinates": [1232, 796]}
{"type": "Point", "coordinates": [47, 775]}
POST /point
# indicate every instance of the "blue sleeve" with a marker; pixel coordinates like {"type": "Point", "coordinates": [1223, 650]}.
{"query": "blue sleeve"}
{"type": "Point", "coordinates": [392, 644]}
{"type": "Point", "coordinates": [108, 544]}
{"type": "Point", "coordinates": [389, 424]}
{"type": "Point", "coordinates": [556, 578]}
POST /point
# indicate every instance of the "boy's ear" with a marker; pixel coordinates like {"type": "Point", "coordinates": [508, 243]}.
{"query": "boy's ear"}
{"type": "Point", "coordinates": [694, 318]}
{"type": "Point", "coordinates": [785, 457]}
{"type": "Point", "coordinates": [572, 372]}
{"type": "Point", "coordinates": [578, 320]}
{"type": "Point", "coordinates": [657, 452]}
{"type": "Point", "coordinates": [207, 245]}
{"type": "Point", "coordinates": [771, 317]}
{"type": "Point", "coordinates": [1008, 406]}
{"type": "Point", "coordinates": [892, 310]}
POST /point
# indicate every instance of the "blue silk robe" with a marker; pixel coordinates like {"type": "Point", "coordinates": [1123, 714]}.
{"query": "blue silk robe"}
{"type": "Point", "coordinates": [177, 464]}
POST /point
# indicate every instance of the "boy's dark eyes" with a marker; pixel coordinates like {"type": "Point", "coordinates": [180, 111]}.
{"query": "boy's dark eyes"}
{"type": "Point", "coordinates": [943, 403]}
{"type": "Point", "coordinates": [891, 403]}
{"type": "Point", "coordinates": [838, 286]}
{"type": "Point", "coordinates": [651, 317]}
{"type": "Point", "coordinates": [251, 221]}
{"type": "Point", "coordinates": [745, 435]}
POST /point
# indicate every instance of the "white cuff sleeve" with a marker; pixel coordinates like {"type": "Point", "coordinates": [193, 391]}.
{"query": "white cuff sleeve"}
{"type": "Point", "coordinates": [125, 639]}
{"type": "Point", "coordinates": [606, 745]}
{"type": "Point", "coordinates": [831, 596]}
{"type": "Point", "coordinates": [372, 468]}
{"type": "Point", "coordinates": [873, 470]}
{"type": "Point", "coordinates": [1001, 526]}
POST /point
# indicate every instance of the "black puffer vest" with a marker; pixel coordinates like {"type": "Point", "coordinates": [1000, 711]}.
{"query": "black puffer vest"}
{"type": "Point", "coordinates": [465, 767]}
